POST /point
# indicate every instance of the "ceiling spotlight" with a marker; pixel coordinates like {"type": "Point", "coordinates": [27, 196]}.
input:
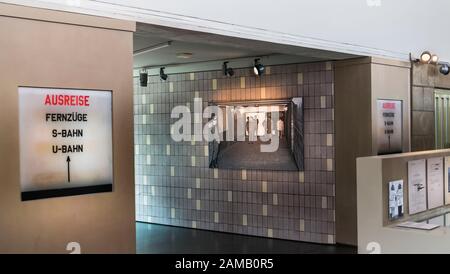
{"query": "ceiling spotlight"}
{"type": "Point", "coordinates": [162, 75]}
{"type": "Point", "coordinates": [434, 59]}
{"type": "Point", "coordinates": [143, 78]}
{"type": "Point", "coordinates": [226, 70]}
{"type": "Point", "coordinates": [444, 69]}
{"type": "Point", "coordinates": [425, 57]}
{"type": "Point", "coordinates": [258, 68]}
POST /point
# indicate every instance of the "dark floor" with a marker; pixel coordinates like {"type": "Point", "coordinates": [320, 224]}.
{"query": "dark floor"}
{"type": "Point", "coordinates": [160, 239]}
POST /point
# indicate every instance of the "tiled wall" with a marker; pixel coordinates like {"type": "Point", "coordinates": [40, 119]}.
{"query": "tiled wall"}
{"type": "Point", "coordinates": [174, 185]}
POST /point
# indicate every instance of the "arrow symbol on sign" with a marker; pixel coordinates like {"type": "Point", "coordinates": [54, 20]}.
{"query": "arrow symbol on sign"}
{"type": "Point", "coordinates": [68, 168]}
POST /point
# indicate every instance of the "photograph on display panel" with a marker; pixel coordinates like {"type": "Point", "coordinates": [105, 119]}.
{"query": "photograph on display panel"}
{"type": "Point", "coordinates": [395, 199]}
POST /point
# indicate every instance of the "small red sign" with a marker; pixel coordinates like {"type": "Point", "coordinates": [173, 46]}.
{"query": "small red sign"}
{"type": "Point", "coordinates": [389, 105]}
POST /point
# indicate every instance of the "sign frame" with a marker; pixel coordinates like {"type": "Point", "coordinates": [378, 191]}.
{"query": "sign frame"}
{"type": "Point", "coordinates": [69, 191]}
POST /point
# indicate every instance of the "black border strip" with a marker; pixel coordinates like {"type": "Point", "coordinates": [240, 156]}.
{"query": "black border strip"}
{"type": "Point", "coordinates": [63, 192]}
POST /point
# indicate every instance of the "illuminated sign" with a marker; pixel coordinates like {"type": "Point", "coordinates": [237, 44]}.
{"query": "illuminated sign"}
{"type": "Point", "coordinates": [65, 142]}
{"type": "Point", "coordinates": [389, 128]}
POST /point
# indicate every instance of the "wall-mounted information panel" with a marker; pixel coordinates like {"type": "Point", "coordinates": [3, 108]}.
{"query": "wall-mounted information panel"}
{"type": "Point", "coordinates": [65, 142]}
{"type": "Point", "coordinates": [417, 186]}
{"type": "Point", "coordinates": [389, 126]}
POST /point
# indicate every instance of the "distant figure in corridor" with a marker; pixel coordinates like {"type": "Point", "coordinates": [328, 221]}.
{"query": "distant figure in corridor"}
{"type": "Point", "coordinates": [280, 127]}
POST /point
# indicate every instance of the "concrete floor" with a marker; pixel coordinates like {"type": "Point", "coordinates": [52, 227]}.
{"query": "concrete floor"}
{"type": "Point", "coordinates": [248, 155]}
{"type": "Point", "coordinates": [160, 239]}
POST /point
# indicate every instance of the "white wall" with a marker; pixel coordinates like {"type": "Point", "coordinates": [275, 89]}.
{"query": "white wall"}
{"type": "Point", "coordinates": [366, 27]}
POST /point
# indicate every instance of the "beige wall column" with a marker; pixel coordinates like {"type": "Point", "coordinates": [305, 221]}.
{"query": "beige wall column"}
{"type": "Point", "coordinates": [46, 48]}
{"type": "Point", "coordinates": [359, 83]}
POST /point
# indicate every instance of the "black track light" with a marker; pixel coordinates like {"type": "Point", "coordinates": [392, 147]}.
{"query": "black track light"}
{"type": "Point", "coordinates": [226, 70]}
{"type": "Point", "coordinates": [444, 69]}
{"type": "Point", "coordinates": [162, 75]}
{"type": "Point", "coordinates": [258, 68]}
{"type": "Point", "coordinates": [143, 78]}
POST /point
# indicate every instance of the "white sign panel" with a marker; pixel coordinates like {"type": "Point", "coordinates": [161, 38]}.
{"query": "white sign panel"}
{"type": "Point", "coordinates": [65, 142]}
{"type": "Point", "coordinates": [435, 182]}
{"type": "Point", "coordinates": [417, 186]}
{"type": "Point", "coordinates": [389, 127]}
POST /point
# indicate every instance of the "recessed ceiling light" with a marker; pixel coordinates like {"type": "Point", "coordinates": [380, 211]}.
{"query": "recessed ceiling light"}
{"type": "Point", "coordinates": [184, 55]}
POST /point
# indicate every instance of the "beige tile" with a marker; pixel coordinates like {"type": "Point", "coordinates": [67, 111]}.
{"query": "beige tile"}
{"type": "Point", "coordinates": [242, 82]}
{"type": "Point", "coordinates": [144, 99]}
{"type": "Point", "coordinates": [144, 119]}
{"type": "Point", "coordinates": [244, 220]}
{"type": "Point", "coordinates": [198, 204]}
{"type": "Point", "coordinates": [206, 151]}
{"type": "Point", "coordinates": [149, 159]}
{"type": "Point", "coordinates": [189, 193]}
{"type": "Point", "coordinates": [264, 210]}
{"type": "Point", "coordinates": [194, 224]}
{"type": "Point", "coordinates": [323, 102]}
{"type": "Point", "coordinates": [171, 87]}
{"type": "Point", "coordinates": [151, 108]}
{"type": "Point", "coordinates": [214, 84]}
{"type": "Point", "coordinates": [172, 171]}
{"type": "Point", "coordinates": [168, 149]}
{"type": "Point", "coordinates": [230, 196]}
{"type": "Point", "coordinates": [275, 199]}
{"type": "Point", "coordinates": [264, 186]}
{"type": "Point", "coordinates": [148, 140]}
{"type": "Point", "coordinates": [328, 66]}
{"type": "Point", "coordinates": [153, 190]}
{"type": "Point", "coordinates": [330, 164]}
{"type": "Point", "coordinates": [192, 160]}
{"type": "Point", "coordinates": [270, 233]}
{"type": "Point", "coordinates": [144, 178]}
{"type": "Point", "coordinates": [330, 239]}
{"type": "Point", "coordinates": [300, 78]}
{"type": "Point", "coordinates": [192, 76]}
{"type": "Point", "coordinates": [197, 183]}
{"type": "Point", "coordinates": [329, 140]}
{"type": "Point", "coordinates": [302, 225]}
{"type": "Point", "coordinates": [216, 217]}
{"type": "Point", "coordinates": [324, 202]}
{"type": "Point", "coordinates": [268, 70]}
{"type": "Point", "coordinates": [216, 173]}
{"type": "Point", "coordinates": [172, 213]}
{"type": "Point", "coordinates": [244, 174]}
{"type": "Point", "coordinates": [301, 177]}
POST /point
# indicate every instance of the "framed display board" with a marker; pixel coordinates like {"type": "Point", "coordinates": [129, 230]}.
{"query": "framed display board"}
{"type": "Point", "coordinates": [417, 186]}
{"type": "Point", "coordinates": [447, 181]}
{"type": "Point", "coordinates": [65, 142]}
{"type": "Point", "coordinates": [435, 182]}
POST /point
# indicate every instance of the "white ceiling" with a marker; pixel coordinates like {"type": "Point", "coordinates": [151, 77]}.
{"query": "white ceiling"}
{"type": "Point", "coordinates": [211, 47]}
